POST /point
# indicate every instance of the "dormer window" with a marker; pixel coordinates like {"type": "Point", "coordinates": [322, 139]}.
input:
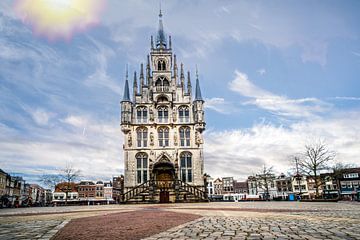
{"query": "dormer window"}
{"type": "Point", "coordinates": [162, 84]}
{"type": "Point", "coordinates": [161, 65]}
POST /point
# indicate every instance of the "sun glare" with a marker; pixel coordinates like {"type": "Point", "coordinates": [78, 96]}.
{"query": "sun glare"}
{"type": "Point", "coordinates": [59, 18]}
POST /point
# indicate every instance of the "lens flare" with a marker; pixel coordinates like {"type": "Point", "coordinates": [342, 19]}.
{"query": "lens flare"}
{"type": "Point", "coordinates": [59, 19]}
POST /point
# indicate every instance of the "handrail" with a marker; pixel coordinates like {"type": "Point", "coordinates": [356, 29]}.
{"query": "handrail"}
{"type": "Point", "coordinates": [164, 184]}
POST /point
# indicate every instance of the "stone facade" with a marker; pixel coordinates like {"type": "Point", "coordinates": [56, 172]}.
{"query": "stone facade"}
{"type": "Point", "coordinates": [162, 123]}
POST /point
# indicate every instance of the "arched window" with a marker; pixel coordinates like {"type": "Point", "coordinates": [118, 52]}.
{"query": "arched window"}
{"type": "Point", "coordinates": [163, 114]}
{"type": "Point", "coordinates": [184, 114]}
{"type": "Point", "coordinates": [186, 167]}
{"type": "Point", "coordinates": [163, 137]}
{"type": "Point", "coordinates": [141, 115]}
{"type": "Point", "coordinates": [142, 137]}
{"type": "Point", "coordinates": [184, 136]}
{"type": "Point", "coordinates": [161, 65]}
{"type": "Point", "coordinates": [162, 84]}
{"type": "Point", "coordinates": [141, 167]}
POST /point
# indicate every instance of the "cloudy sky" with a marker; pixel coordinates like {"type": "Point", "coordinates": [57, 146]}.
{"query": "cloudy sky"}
{"type": "Point", "coordinates": [276, 75]}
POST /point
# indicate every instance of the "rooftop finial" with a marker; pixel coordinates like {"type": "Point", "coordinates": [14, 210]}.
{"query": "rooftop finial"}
{"type": "Point", "coordinates": [126, 96]}
{"type": "Point", "coordinates": [160, 38]}
{"type": "Point", "coordinates": [160, 14]}
{"type": "Point", "coordinates": [197, 73]}
{"type": "Point", "coordinates": [127, 72]}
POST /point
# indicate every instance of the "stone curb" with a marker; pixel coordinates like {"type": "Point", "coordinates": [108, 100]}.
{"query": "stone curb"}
{"type": "Point", "coordinates": [51, 233]}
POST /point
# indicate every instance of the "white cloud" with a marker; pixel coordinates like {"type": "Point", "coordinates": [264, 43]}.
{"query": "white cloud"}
{"type": "Point", "coordinates": [281, 105]}
{"type": "Point", "coordinates": [219, 105]}
{"type": "Point", "coordinates": [100, 76]}
{"type": "Point", "coordinates": [98, 153]}
{"type": "Point", "coordinates": [347, 98]}
{"type": "Point", "coordinates": [41, 117]}
{"type": "Point", "coordinates": [262, 71]}
{"type": "Point", "coordinates": [240, 153]}
{"type": "Point", "coordinates": [76, 121]}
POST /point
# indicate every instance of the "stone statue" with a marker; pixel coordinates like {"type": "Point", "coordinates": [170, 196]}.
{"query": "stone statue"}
{"type": "Point", "coordinates": [198, 139]}
{"type": "Point", "coordinates": [174, 114]}
{"type": "Point", "coordinates": [129, 140]}
{"type": "Point", "coordinates": [151, 139]}
{"type": "Point", "coordinates": [175, 139]}
{"type": "Point", "coordinates": [151, 114]}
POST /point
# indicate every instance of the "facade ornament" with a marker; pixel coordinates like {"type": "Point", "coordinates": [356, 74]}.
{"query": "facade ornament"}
{"type": "Point", "coordinates": [151, 115]}
{"type": "Point", "coordinates": [175, 139]}
{"type": "Point", "coordinates": [129, 140]}
{"type": "Point", "coordinates": [174, 113]}
{"type": "Point", "coordinates": [151, 139]}
{"type": "Point", "coordinates": [198, 138]}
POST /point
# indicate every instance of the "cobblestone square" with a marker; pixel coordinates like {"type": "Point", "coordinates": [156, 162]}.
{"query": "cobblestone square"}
{"type": "Point", "coordinates": [245, 220]}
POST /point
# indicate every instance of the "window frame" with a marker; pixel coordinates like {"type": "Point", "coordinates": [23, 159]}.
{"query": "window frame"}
{"type": "Point", "coordinates": [186, 169]}
{"type": "Point", "coordinates": [163, 136]}
{"type": "Point", "coordinates": [185, 136]}
{"type": "Point", "coordinates": [141, 137]}
{"type": "Point", "coordinates": [141, 168]}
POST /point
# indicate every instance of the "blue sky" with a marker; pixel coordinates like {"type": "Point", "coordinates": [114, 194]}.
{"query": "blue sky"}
{"type": "Point", "coordinates": [276, 75]}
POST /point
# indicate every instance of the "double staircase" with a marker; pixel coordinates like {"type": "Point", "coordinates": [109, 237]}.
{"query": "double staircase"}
{"type": "Point", "coordinates": [153, 191]}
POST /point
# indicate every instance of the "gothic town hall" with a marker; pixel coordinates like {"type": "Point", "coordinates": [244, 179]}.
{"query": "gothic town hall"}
{"type": "Point", "coordinates": [163, 124]}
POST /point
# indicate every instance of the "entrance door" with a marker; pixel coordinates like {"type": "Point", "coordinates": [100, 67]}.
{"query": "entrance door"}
{"type": "Point", "coordinates": [164, 196]}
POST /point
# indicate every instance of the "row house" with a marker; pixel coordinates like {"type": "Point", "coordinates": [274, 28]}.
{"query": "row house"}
{"type": "Point", "coordinates": [37, 195]}
{"type": "Point", "coordinates": [14, 192]}
{"type": "Point", "coordinates": [349, 183]}
{"type": "Point", "coordinates": [59, 194]}
{"type": "Point", "coordinates": [263, 185]}
{"type": "Point", "coordinates": [84, 192]}
{"type": "Point", "coordinates": [117, 188]}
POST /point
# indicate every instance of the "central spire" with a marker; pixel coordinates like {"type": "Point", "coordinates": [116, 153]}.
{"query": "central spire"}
{"type": "Point", "coordinates": [160, 38]}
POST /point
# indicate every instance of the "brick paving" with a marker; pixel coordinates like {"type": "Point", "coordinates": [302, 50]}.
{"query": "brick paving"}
{"type": "Point", "coordinates": [246, 220]}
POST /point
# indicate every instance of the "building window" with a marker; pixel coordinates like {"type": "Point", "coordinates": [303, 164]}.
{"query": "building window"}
{"type": "Point", "coordinates": [163, 114]}
{"type": "Point", "coordinates": [141, 167]}
{"type": "Point", "coordinates": [141, 134]}
{"type": "Point", "coordinates": [141, 115]}
{"type": "Point", "coordinates": [161, 65]}
{"type": "Point", "coordinates": [186, 167]}
{"type": "Point", "coordinates": [184, 114]}
{"type": "Point", "coordinates": [185, 136]}
{"type": "Point", "coordinates": [163, 133]}
{"type": "Point", "coordinates": [162, 84]}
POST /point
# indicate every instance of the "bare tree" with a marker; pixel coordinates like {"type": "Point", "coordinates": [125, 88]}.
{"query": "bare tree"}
{"type": "Point", "coordinates": [50, 180]}
{"type": "Point", "coordinates": [296, 171]}
{"type": "Point", "coordinates": [266, 177]}
{"type": "Point", "coordinates": [69, 175]}
{"type": "Point", "coordinates": [66, 176]}
{"type": "Point", "coordinates": [316, 158]}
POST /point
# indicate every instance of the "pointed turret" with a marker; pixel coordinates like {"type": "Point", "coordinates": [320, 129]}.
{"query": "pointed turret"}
{"type": "Point", "coordinates": [126, 106]}
{"type": "Point", "coordinates": [198, 96]}
{"type": "Point", "coordinates": [160, 38]}
{"type": "Point", "coordinates": [182, 78]}
{"type": "Point", "coordinates": [142, 84]}
{"type": "Point", "coordinates": [148, 73]}
{"type": "Point", "coordinates": [135, 86]}
{"type": "Point", "coordinates": [198, 107]}
{"type": "Point", "coordinates": [188, 83]}
{"type": "Point", "coordinates": [175, 70]}
{"type": "Point", "coordinates": [126, 96]}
